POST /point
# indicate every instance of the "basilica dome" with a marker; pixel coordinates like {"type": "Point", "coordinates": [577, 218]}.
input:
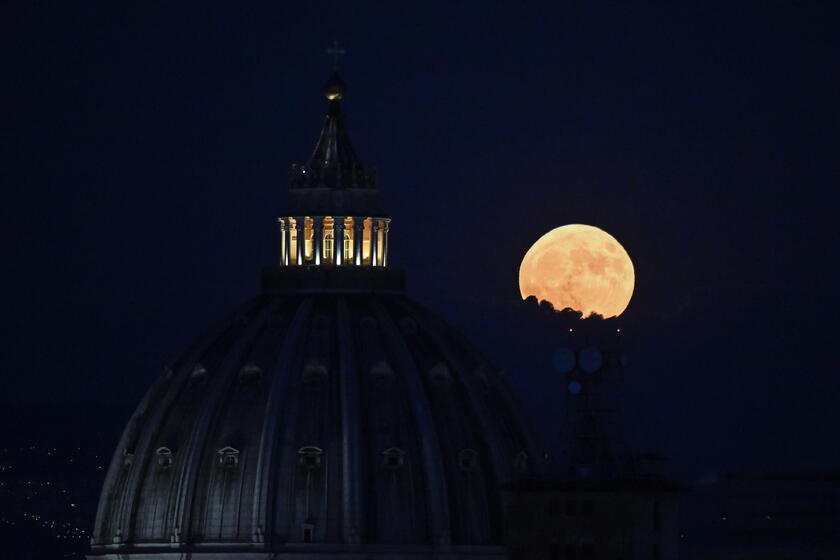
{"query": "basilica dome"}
{"type": "Point", "coordinates": [330, 415]}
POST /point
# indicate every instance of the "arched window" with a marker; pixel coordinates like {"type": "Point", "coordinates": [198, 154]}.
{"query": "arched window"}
{"type": "Point", "coordinates": [228, 456]}
{"type": "Point", "coordinates": [467, 459]}
{"type": "Point", "coordinates": [520, 463]}
{"type": "Point", "coordinates": [310, 456]}
{"type": "Point", "coordinates": [393, 457]}
{"type": "Point", "coordinates": [367, 257]}
{"type": "Point", "coordinates": [308, 236]}
{"type": "Point", "coordinates": [348, 256]}
{"type": "Point", "coordinates": [164, 457]}
{"type": "Point", "coordinates": [328, 247]}
{"type": "Point", "coordinates": [249, 373]}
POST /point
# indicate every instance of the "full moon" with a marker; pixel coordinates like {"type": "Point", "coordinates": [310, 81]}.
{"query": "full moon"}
{"type": "Point", "coordinates": [581, 267]}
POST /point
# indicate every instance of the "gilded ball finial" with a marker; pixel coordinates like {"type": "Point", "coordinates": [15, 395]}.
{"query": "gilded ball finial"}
{"type": "Point", "coordinates": [335, 87]}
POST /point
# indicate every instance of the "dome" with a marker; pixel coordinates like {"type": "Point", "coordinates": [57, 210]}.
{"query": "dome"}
{"type": "Point", "coordinates": [330, 415]}
{"type": "Point", "coordinates": [317, 419]}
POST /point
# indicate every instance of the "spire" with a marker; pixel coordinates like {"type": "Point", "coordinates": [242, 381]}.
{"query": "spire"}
{"type": "Point", "coordinates": [333, 216]}
{"type": "Point", "coordinates": [334, 150]}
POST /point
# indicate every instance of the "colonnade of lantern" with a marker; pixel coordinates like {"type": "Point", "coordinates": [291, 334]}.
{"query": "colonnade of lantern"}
{"type": "Point", "coordinates": [333, 240]}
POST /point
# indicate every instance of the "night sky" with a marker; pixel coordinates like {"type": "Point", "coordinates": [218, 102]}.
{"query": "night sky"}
{"type": "Point", "coordinates": [145, 156]}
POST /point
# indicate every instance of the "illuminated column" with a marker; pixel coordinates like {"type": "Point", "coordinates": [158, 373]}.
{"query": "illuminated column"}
{"type": "Point", "coordinates": [300, 239]}
{"type": "Point", "coordinates": [374, 242]}
{"type": "Point", "coordinates": [317, 234]}
{"type": "Point", "coordinates": [385, 243]}
{"type": "Point", "coordinates": [338, 239]}
{"type": "Point", "coordinates": [287, 246]}
{"type": "Point", "coordinates": [358, 228]}
{"type": "Point", "coordinates": [280, 238]}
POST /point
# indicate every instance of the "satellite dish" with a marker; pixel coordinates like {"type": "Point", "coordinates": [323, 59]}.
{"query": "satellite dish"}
{"type": "Point", "coordinates": [563, 360]}
{"type": "Point", "coordinates": [590, 359]}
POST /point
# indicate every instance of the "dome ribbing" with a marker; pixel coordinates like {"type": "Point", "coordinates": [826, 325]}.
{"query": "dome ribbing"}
{"type": "Point", "coordinates": [329, 416]}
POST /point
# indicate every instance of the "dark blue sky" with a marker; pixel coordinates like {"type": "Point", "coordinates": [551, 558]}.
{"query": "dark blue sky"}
{"type": "Point", "coordinates": [146, 153]}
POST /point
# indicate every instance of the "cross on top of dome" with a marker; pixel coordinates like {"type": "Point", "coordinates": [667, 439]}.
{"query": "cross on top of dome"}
{"type": "Point", "coordinates": [336, 52]}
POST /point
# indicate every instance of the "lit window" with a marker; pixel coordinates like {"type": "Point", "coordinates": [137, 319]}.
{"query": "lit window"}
{"type": "Point", "coordinates": [328, 247]}
{"type": "Point", "coordinates": [349, 237]}
{"type": "Point", "coordinates": [328, 250]}
{"type": "Point", "coordinates": [380, 242]}
{"type": "Point", "coordinates": [366, 234]}
{"type": "Point", "coordinates": [307, 239]}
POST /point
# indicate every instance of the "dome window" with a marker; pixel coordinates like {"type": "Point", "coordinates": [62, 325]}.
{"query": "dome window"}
{"type": "Point", "coordinates": [198, 375]}
{"type": "Point", "coordinates": [521, 463]}
{"type": "Point", "coordinates": [440, 375]}
{"type": "Point", "coordinates": [329, 240]}
{"type": "Point", "coordinates": [408, 325]}
{"type": "Point", "coordinates": [164, 457]}
{"type": "Point", "coordinates": [381, 370]}
{"type": "Point", "coordinates": [128, 457]}
{"type": "Point", "coordinates": [228, 456]}
{"type": "Point", "coordinates": [314, 371]}
{"type": "Point", "coordinates": [308, 529]}
{"type": "Point", "coordinates": [467, 460]}
{"type": "Point", "coordinates": [250, 373]}
{"type": "Point", "coordinates": [393, 458]}
{"type": "Point", "coordinates": [347, 247]}
{"type": "Point", "coordinates": [310, 457]}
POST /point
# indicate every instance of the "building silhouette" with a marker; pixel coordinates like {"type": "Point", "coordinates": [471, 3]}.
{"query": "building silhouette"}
{"type": "Point", "coordinates": [329, 417]}
{"type": "Point", "coordinates": [770, 515]}
{"type": "Point", "coordinates": [598, 499]}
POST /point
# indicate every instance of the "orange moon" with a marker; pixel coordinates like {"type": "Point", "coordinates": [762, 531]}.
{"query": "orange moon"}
{"type": "Point", "coordinates": [581, 267]}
